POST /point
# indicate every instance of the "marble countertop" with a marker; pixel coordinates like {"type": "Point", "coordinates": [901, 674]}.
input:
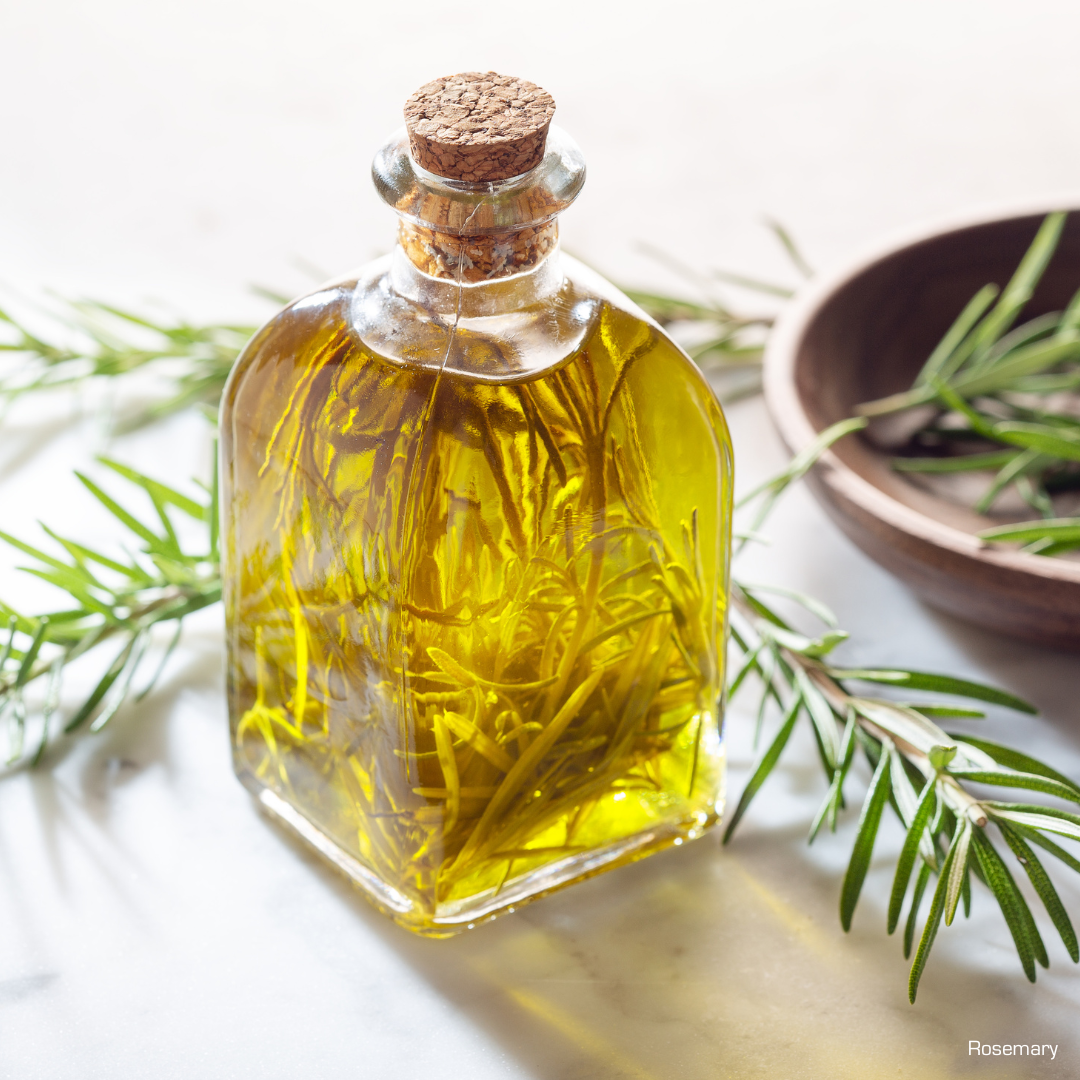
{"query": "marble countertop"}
{"type": "Point", "coordinates": [152, 922]}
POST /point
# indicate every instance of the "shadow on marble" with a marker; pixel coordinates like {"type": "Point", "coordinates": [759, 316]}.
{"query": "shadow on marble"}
{"type": "Point", "coordinates": [80, 777]}
{"type": "Point", "coordinates": [703, 962]}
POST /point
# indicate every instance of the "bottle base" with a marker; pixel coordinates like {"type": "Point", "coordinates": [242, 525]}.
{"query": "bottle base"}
{"type": "Point", "coordinates": [450, 919]}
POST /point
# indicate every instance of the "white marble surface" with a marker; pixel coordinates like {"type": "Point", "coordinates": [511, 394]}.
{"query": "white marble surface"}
{"type": "Point", "coordinates": [151, 922]}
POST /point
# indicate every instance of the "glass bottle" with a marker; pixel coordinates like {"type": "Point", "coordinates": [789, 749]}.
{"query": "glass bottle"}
{"type": "Point", "coordinates": [476, 520]}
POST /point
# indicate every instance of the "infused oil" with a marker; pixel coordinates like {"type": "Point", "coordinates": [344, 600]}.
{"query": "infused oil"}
{"type": "Point", "coordinates": [476, 526]}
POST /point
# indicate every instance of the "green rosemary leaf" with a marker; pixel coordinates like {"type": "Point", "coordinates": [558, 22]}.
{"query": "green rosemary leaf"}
{"type": "Point", "coordinates": [1060, 529]}
{"type": "Point", "coordinates": [119, 690]}
{"type": "Point", "coordinates": [789, 246]}
{"type": "Point", "coordinates": [945, 711]}
{"type": "Point", "coordinates": [834, 798]}
{"type": "Point", "coordinates": [966, 463]}
{"type": "Point", "coordinates": [957, 871]}
{"type": "Point", "coordinates": [1041, 328]}
{"type": "Point", "coordinates": [1047, 384]}
{"type": "Point", "coordinates": [751, 537]}
{"type": "Point", "coordinates": [170, 649]}
{"type": "Point", "coordinates": [923, 812]}
{"type": "Point", "coordinates": [1042, 884]}
{"type": "Point", "coordinates": [1070, 320]}
{"type": "Point", "coordinates": [1038, 945]}
{"type": "Point", "coordinates": [937, 908]}
{"type": "Point", "coordinates": [803, 461]}
{"type": "Point", "coordinates": [157, 490]}
{"type": "Point", "coordinates": [1019, 290]}
{"type": "Point", "coordinates": [753, 284]}
{"type": "Point", "coordinates": [52, 700]}
{"type": "Point", "coordinates": [982, 425]}
{"type": "Point", "coordinates": [942, 684]}
{"type": "Point", "coordinates": [1035, 495]}
{"type": "Point", "coordinates": [764, 610]}
{"type": "Point", "coordinates": [814, 606]}
{"type": "Point", "coordinates": [1054, 549]}
{"type": "Point", "coordinates": [152, 541]}
{"type": "Point", "coordinates": [1027, 462]}
{"type": "Point", "coordinates": [765, 766]}
{"type": "Point", "coordinates": [1031, 360]}
{"type": "Point", "coordinates": [1046, 843]}
{"type": "Point", "coordinates": [9, 645]}
{"type": "Point", "coordinates": [1038, 817]}
{"type": "Point", "coordinates": [748, 665]}
{"type": "Point", "coordinates": [905, 801]}
{"type": "Point", "coordinates": [33, 552]}
{"type": "Point", "coordinates": [72, 583]}
{"type": "Point", "coordinates": [31, 653]}
{"type": "Point", "coordinates": [1015, 759]}
{"type": "Point", "coordinates": [1042, 438]}
{"type": "Point", "coordinates": [913, 914]}
{"type": "Point", "coordinates": [1013, 779]}
{"type": "Point", "coordinates": [102, 688]}
{"type": "Point", "coordinates": [811, 647]}
{"type": "Point", "coordinates": [671, 309]}
{"type": "Point", "coordinates": [763, 703]}
{"type": "Point", "coordinates": [869, 820]}
{"type": "Point", "coordinates": [902, 723]}
{"type": "Point", "coordinates": [821, 715]}
{"type": "Point", "coordinates": [1013, 906]}
{"type": "Point", "coordinates": [204, 354]}
{"type": "Point", "coordinates": [938, 364]}
{"type": "Point", "coordinates": [81, 553]}
{"type": "Point", "coordinates": [208, 594]}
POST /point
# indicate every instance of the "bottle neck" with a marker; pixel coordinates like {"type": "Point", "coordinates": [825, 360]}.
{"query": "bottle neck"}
{"type": "Point", "coordinates": [444, 293]}
{"type": "Point", "coordinates": [474, 234]}
{"type": "Point", "coordinates": [477, 258]}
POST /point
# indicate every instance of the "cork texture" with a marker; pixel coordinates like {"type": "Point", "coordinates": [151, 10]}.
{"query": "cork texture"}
{"type": "Point", "coordinates": [478, 126]}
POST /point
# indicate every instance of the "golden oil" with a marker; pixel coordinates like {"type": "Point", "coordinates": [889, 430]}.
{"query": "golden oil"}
{"type": "Point", "coordinates": [475, 584]}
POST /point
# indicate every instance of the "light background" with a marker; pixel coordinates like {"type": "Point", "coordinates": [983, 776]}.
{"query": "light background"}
{"type": "Point", "coordinates": [151, 924]}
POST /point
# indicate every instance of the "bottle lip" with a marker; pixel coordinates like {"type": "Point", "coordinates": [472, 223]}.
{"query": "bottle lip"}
{"type": "Point", "coordinates": [462, 208]}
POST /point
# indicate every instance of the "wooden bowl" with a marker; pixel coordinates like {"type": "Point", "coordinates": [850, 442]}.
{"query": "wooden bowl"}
{"type": "Point", "coordinates": [865, 332]}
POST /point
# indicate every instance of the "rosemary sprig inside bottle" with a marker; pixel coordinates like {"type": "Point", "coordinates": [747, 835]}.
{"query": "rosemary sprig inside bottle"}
{"type": "Point", "coordinates": [1002, 399]}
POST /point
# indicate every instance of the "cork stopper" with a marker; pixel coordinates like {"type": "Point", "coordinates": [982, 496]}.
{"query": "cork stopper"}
{"type": "Point", "coordinates": [478, 126]}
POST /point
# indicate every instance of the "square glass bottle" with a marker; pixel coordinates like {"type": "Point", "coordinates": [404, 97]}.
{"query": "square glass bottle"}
{"type": "Point", "coordinates": [476, 525]}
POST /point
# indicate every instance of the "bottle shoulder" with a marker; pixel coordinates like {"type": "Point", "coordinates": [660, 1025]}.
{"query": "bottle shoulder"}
{"type": "Point", "coordinates": [584, 320]}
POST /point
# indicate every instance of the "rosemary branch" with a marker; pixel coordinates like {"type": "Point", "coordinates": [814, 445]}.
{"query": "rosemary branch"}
{"type": "Point", "coordinates": [919, 769]}
{"type": "Point", "coordinates": [725, 344]}
{"type": "Point", "coordinates": [96, 339]}
{"type": "Point", "coordinates": [109, 600]}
